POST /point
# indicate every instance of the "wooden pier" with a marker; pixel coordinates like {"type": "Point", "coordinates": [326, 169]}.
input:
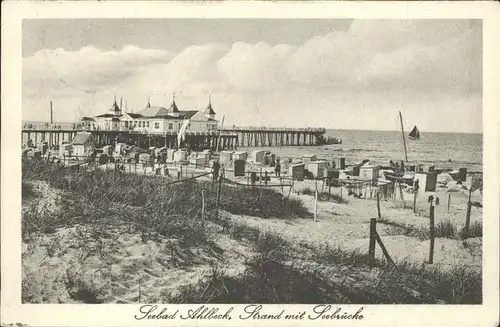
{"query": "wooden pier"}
{"type": "Point", "coordinates": [228, 138]}
{"type": "Point", "coordinates": [204, 140]}
{"type": "Point", "coordinates": [267, 136]}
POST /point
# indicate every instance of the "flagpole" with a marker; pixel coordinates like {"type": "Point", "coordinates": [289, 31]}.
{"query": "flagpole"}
{"type": "Point", "coordinates": [179, 135]}
{"type": "Point", "coordinates": [51, 114]}
{"type": "Point", "coordinates": [182, 132]}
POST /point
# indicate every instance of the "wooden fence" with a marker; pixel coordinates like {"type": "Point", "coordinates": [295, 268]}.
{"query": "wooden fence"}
{"type": "Point", "coordinates": [372, 190]}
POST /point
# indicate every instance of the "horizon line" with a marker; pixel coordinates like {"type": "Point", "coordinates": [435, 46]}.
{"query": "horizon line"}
{"type": "Point", "coordinates": [326, 128]}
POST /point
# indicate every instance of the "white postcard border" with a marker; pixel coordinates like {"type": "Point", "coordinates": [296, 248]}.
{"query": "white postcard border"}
{"type": "Point", "coordinates": [123, 315]}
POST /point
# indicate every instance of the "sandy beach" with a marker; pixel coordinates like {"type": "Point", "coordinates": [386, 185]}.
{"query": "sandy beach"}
{"type": "Point", "coordinates": [347, 225]}
{"type": "Point", "coordinates": [126, 269]}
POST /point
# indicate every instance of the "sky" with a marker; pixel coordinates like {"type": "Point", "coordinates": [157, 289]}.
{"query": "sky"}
{"type": "Point", "coordinates": [332, 73]}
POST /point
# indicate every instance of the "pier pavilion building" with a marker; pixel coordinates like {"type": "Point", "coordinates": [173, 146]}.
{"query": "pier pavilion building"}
{"type": "Point", "coordinates": [153, 120]}
{"type": "Point", "coordinates": [160, 126]}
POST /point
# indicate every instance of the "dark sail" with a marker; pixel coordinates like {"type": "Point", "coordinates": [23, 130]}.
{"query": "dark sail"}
{"type": "Point", "coordinates": [415, 134]}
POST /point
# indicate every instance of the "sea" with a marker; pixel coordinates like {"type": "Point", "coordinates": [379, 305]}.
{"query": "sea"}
{"type": "Point", "coordinates": [454, 150]}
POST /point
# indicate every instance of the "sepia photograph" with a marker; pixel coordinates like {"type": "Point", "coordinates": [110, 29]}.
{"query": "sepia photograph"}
{"type": "Point", "coordinates": [265, 161]}
{"type": "Point", "coordinates": [221, 160]}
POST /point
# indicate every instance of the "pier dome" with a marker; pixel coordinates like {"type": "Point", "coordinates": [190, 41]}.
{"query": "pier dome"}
{"type": "Point", "coordinates": [115, 110]}
{"type": "Point", "coordinates": [174, 110]}
{"type": "Point", "coordinates": [209, 112]}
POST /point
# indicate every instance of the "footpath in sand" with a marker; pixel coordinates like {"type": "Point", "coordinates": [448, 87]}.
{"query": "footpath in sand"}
{"type": "Point", "coordinates": [122, 268]}
{"type": "Point", "coordinates": [346, 225]}
{"type": "Point", "coordinates": [70, 264]}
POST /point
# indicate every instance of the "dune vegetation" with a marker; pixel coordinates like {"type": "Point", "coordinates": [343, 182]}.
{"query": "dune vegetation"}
{"type": "Point", "coordinates": [111, 237]}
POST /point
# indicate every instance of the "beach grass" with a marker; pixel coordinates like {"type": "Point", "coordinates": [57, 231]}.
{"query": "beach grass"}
{"type": "Point", "coordinates": [475, 230]}
{"type": "Point", "coordinates": [430, 283]}
{"type": "Point", "coordinates": [150, 191]}
{"type": "Point", "coordinates": [27, 190]}
{"type": "Point", "coordinates": [324, 196]}
{"type": "Point", "coordinates": [275, 275]}
{"type": "Point", "coordinates": [445, 229]}
{"type": "Point", "coordinates": [100, 204]}
{"type": "Point", "coordinates": [307, 191]}
{"type": "Point", "coordinates": [332, 197]}
{"type": "Point", "coordinates": [265, 280]}
{"type": "Point", "coordinates": [395, 228]}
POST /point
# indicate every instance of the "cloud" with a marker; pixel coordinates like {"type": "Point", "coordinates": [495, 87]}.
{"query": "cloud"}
{"type": "Point", "coordinates": [256, 67]}
{"type": "Point", "coordinates": [453, 65]}
{"type": "Point", "coordinates": [195, 65]}
{"type": "Point", "coordinates": [374, 65]}
{"type": "Point", "coordinates": [59, 72]}
{"type": "Point", "coordinates": [410, 54]}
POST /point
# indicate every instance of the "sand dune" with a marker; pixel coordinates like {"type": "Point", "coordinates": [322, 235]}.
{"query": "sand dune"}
{"type": "Point", "coordinates": [120, 267]}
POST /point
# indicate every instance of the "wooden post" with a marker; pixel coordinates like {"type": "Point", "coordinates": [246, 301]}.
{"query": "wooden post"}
{"type": "Point", "coordinates": [203, 207]}
{"type": "Point", "coordinates": [403, 132]}
{"type": "Point", "coordinates": [449, 201]}
{"type": "Point", "coordinates": [378, 205]}
{"type": "Point", "coordinates": [219, 189]}
{"type": "Point", "coordinates": [384, 250]}
{"type": "Point", "coordinates": [373, 232]}
{"type": "Point", "coordinates": [432, 232]}
{"type": "Point", "coordinates": [467, 218]}
{"type": "Point", "coordinates": [415, 201]}
{"type": "Point", "coordinates": [402, 196]}
{"type": "Point", "coordinates": [315, 205]}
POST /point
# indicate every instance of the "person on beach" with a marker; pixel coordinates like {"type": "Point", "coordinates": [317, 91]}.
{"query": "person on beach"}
{"type": "Point", "coordinates": [215, 170]}
{"type": "Point", "coordinates": [92, 158]}
{"type": "Point", "coordinates": [157, 166]}
{"type": "Point", "coordinates": [277, 168]}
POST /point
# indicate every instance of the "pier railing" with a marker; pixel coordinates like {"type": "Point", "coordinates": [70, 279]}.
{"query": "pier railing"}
{"type": "Point", "coordinates": [66, 126]}
{"type": "Point", "coordinates": [237, 135]}
{"type": "Point", "coordinates": [274, 129]}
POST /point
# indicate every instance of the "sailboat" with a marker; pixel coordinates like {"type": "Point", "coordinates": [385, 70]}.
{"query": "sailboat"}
{"type": "Point", "coordinates": [414, 134]}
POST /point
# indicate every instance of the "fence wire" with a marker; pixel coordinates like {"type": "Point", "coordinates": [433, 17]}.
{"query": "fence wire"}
{"type": "Point", "coordinates": [210, 195]}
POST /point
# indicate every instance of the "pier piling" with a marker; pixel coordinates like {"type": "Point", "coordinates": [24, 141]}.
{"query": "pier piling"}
{"type": "Point", "coordinates": [230, 138]}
